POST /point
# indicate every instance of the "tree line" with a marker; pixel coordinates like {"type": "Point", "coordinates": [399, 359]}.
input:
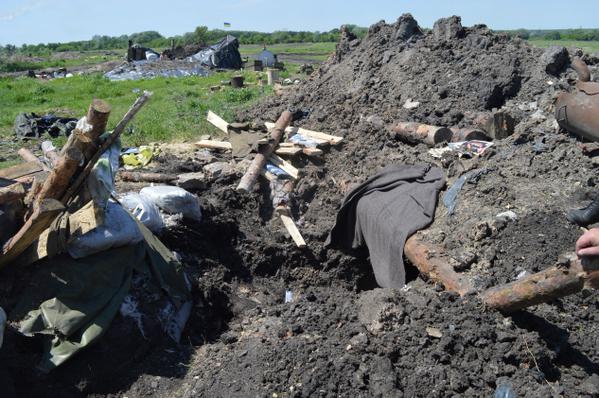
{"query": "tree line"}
{"type": "Point", "coordinates": [201, 35]}
{"type": "Point", "coordinates": [555, 34]}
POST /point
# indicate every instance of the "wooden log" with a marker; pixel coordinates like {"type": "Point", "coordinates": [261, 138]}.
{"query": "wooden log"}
{"type": "Point", "coordinates": [289, 224]}
{"type": "Point", "coordinates": [89, 128]}
{"type": "Point", "coordinates": [251, 175]}
{"type": "Point", "coordinates": [284, 165]}
{"type": "Point", "coordinates": [135, 176]}
{"type": "Point", "coordinates": [430, 261]}
{"type": "Point", "coordinates": [116, 133]}
{"type": "Point", "coordinates": [421, 133]}
{"type": "Point", "coordinates": [11, 193]}
{"type": "Point", "coordinates": [547, 285]}
{"type": "Point", "coordinates": [59, 179]}
{"type": "Point", "coordinates": [41, 218]}
{"type": "Point", "coordinates": [20, 170]}
{"type": "Point", "coordinates": [28, 156]}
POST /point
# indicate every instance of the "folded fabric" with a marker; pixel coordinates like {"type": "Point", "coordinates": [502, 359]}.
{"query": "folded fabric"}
{"type": "Point", "coordinates": [383, 212]}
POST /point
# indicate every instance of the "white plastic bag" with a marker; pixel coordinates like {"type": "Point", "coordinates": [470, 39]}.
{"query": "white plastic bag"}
{"type": "Point", "coordinates": [144, 210]}
{"type": "Point", "coordinates": [118, 230]}
{"type": "Point", "coordinates": [173, 200]}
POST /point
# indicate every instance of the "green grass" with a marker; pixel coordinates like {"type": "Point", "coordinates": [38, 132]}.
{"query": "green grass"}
{"type": "Point", "coordinates": [176, 112]}
{"type": "Point", "coordinates": [307, 51]}
{"type": "Point", "coordinates": [586, 46]}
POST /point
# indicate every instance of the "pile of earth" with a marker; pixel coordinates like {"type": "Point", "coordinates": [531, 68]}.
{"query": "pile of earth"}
{"type": "Point", "coordinates": [339, 335]}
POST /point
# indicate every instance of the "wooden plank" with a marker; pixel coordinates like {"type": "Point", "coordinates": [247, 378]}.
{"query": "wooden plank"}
{"type": "Point", "coordinates": [268, 175]}
{"type": "Point", "coordinates": [218, 122]}
{"type": "Point", "coordinates": [312, 151]}
{"type": "Point", "coordinates": [315, 135]}
{"type": "Point", "coordinates": [42, 218]}
{"type": "Point", "coordinates": [289, 224]}
{"type": "Point", "coordinates": [20, 170]}
{"type": "Point", "coordinates": [292, 151]}
{"type": "Point", "coordinates": [284, 165]}
{"type": "Point", "coordinates": [212, 144]}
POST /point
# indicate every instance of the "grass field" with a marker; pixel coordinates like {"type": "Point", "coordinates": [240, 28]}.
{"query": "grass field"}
{"type": "Point", "coordinates": [176, 112]}
{"type": "Point", "coordinates": [58, 60]}
{"type": "Point", "coordinates": [586, 46]}
{"type": "Point", "coordinates": [308, 51]}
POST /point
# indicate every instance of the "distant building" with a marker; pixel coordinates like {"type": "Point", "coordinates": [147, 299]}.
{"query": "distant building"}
{"type": "Point", "coordinates": [268, 59]}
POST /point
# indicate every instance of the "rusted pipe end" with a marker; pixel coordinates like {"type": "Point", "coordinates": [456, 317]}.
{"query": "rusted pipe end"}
{"type": "Point", "coordinates": [438, 135]}
{"type": "Point", "coordinates": [581, 68]}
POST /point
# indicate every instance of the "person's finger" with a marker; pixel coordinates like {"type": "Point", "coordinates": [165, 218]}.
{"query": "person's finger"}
{"type": "Point", "coordinates": [585, 240]}
{"type": "Point", "coordinates": [588, 251]}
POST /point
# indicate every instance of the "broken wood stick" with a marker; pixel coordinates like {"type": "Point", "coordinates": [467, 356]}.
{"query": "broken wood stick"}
{"type": "Point", "coordinates": [42, 217]}
{"type": "Point", "coordinates": [136, 176]}
{"type": "Point", "coordinates": [251, 175]}
{"type": "Point", "coordinates": [312, 151]}
{"type": "Point", "coordinates": [431, 262]}
{"type": "Point", "coordinates": [288, 150]}
{"type": "Point", "coordinates": [284, 165]}
{"type": "Point", "coordinates": [547, 285]}
{"type": "Point", "coordinates": [421, 133]}
{"type": "Point", "coordinates": [317, 136]}
{"type": "Point", "coordinates": [116, 133]}
{"type": "Point", "coordinates": [285, 214]}
{"type": "Point", "coordinates": [28, 156]}
{"type": "Point", "coordinates": [11, 193]}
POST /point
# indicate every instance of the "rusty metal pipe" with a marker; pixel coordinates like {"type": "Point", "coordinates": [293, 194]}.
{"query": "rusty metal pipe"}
{"type": "Point", "coordinates": [581, 68]}
{"type": "Point", "coordinates": [578, 112]}
{"type": "Point", "coordinates": [468, 134]}
{"type": "Point", "coordinates": [421, 133]}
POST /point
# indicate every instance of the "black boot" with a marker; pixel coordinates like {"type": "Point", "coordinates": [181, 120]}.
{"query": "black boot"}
{"type": "Point", "coordinates": [586, 216]}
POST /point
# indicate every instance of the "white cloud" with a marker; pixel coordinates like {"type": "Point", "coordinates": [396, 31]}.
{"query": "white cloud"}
{"type": "Point", "coordinates": [24, 9]}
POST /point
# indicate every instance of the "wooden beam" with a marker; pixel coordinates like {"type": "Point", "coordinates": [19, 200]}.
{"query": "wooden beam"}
{"type": "Point", "coordinates": [252, 173]}
{"type": "Point", "coordinates": [20, 170]}
{"type": "Point", "coordinates": [60, 177]}
{"type": "Point", "coordinates": [217, 122]}
{"type": "Point", "coordinates": [312, 151]}
{"type": "Point", "coordinates": [284, 165]}
{"type": "Point", "coordinates": [42, 217]}
{"type": "Point", "coordinates": [430, 260]}
{"type": "Point", "coordinates": [289, 224]}
{"type": "Point", "coordinates": [315, 135]}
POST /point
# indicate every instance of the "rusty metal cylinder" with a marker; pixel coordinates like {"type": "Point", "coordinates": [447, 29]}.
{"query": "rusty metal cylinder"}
{"type": "Point", "coordinates": [468, 134]}
{"type": "Point", "coordinates": [581, 68]}
{"type": "Point", "coordinates": [237, 81]}
{"type": "Point", "coordinates": [578, 112]}
{"type": "Point", "coordinates": [421, 133]}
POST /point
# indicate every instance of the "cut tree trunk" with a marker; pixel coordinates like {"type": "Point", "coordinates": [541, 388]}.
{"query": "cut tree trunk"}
{"type": "Point", "coordinates": [251, 175]}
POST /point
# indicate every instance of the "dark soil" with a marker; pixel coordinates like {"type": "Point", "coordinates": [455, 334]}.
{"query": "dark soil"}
{"type": "Point", "coordinates": [340, 335]}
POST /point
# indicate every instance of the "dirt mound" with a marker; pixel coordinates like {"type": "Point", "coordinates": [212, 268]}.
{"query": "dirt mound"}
{"type": "Point", "coordinates": [339, 335]}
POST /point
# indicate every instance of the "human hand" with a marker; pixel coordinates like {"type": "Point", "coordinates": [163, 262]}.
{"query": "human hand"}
{"type": "Point", "coordinates": [588, 244]}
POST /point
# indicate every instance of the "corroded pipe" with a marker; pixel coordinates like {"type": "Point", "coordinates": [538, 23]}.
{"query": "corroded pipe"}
{"type": "Point", "coordinates": [468, 134]}
{"type": "Point", "coordinates": [578, 112]}
{"type": "Point", "coordinates": [581, 68]}
{"type": "Point", "coordinates": [421, 133]}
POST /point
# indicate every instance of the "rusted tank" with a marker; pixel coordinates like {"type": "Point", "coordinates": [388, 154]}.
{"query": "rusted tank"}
{"type": "Point", "coordinates": [578, 112]}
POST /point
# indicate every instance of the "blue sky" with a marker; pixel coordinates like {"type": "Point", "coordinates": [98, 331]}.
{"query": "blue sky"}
{"type": "Point", "coordinates": [42, 21]}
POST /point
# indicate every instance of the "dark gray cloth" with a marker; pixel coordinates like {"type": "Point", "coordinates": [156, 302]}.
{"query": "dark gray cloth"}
{"type": "Point", "coordinates": [383, 212]}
